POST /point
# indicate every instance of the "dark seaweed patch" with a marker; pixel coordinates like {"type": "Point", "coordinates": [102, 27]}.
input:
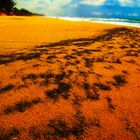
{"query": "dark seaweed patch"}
{"type": "Point", "coordinates": [131, 129]}
{"type": "Point", "coordinates": [119, 80]}
{"type": "Point", "coordinates": [69, 73]}
{"type": "Point", "coordinates": [69, 57]}
{"type": "Point", "coordinates": [46, 75]}
{"type": "Point", "coordinates": [46, 82]}
{"type": "Point", "coordinates": [79, 126]}
{"type": "Point", "coordinates": [82, 73]}
{"type": "Point", "coordinates": [132, 53]}
{"type": "Point", "coordinates": [60, 77]}
{"type": "Point", "coordinates": [6, 55]}
{"type": "Point", "coordinates": [21, 106]}
{"type": "Point", "coordinates": [53, 94]}
{"type": "Point", "coordinates": [124, 47]}
{"type": "Point", "coordinates": [51, 57]}
{"type": "Point", "coordinates": [63, 89]}
{"type": "Point", "coordinates": [91, 50]}
{"type": "Point", "coordinates": [9, 110]}
{"type": "Point", "coordinates": [86, 86]}
{"type": "Point", "coordinates": [102, 86]}
{"type": "Point", "coordinates": [7, 135]}
{"type": "Point", "coordinates": [6, 61]}
{"type": "Point", "coordinates": [77, 130]}
{"type": "Point", "coordinates": [88, 62]}
{"type": "Point", "coordinates": [89, 93]}
{"type": "Point", "coordinates": [79, 117]}
{"type": "Point", "coordinates": [24, 105]}
{"type": "Point", "coordinates": [133, 45]}
{"type": "Point", "coordinates": [77, 62]}
{"type": "Point", "coordinates": [6, 88]}
{"type": "Point", "coordinates": [99, 59]}
{"type": "Point", "coordinates": [59, 128]}
{"type": "Point", "coordinates": [29, 56]}
{"type": "Point", "coordinates": [96, 123]}
{"type": "Point", "coordinates": [80, 53]}
{"type": "Point", "coordinates": [36, 65]}
{"type": "Point", "coordinates": [93, 96]}
{"type": "Point", "coordinates": [30, 76]}
{"type": "Point", "coordinates": [111, 107]}
{"type": "Point", "coordinates": [21, 56]}
{"type": "Point", "coordinates": [77, 101]}
{"type": "Point", "coordinates": [109, 67]}
{"type": "Point", "coordinates": [131, 61]}
{"type": "Point", "coordinates": [36, 101]}
{"type": "Point", "coordinates": [110, 47]}
{"type": "Point", "coordinates": [117, 60]}
{"type": "Point", "coordinates": [34, 133]}
{"type": "Point", "coordinates": [125, 71]}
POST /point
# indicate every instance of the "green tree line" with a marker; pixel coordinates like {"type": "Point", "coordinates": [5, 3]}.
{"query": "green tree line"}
{"type": "Point", "coordinates": [9, 7]}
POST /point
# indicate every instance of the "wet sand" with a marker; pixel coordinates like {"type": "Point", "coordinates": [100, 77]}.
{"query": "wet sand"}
{"type": "Point", "coordinates": [68, 80]}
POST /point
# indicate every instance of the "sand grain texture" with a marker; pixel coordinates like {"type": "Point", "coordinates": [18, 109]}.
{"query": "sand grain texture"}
{"type": "Point", "coordinates": [68, 80]}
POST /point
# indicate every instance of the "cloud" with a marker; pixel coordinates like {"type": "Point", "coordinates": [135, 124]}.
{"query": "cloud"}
{"type": "Point", "coordinates": [129, 3]}
{"type": "Point", "coordinates": [102, 8]}
{"type": "Point", "coordinates": [93, 2]}
{"type": "Point", "coordinates": [48, 7]}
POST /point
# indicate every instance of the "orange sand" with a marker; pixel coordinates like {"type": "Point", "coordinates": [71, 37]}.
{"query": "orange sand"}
{"type": "Point", "coordinates": [68, 80]}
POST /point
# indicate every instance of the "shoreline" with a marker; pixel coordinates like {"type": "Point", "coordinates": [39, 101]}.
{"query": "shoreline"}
{"type": "Point", "coordinates": [114, 21]}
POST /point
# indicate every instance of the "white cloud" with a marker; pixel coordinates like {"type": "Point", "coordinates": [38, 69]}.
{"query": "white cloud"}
{"type": "Point", "coordinates": [93, 2]}
{"type": "Point", "coordinates": [130, 3]}
{"type": "Point", "coordinates": [70, 7]}
{"type": "Point", "coordinates": [126, 2]}
{"type": "Point", "coordinates": [48, 7]}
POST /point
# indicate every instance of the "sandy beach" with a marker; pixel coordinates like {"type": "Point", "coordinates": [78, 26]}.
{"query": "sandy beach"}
{"type": "Point", "coordinates": [68, 80]}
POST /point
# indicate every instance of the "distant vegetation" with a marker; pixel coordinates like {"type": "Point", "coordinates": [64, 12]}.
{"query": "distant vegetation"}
{"type": "Point", "coordinates": [8, 7]}
{"type": "Point", "coordinates": [23, 12]}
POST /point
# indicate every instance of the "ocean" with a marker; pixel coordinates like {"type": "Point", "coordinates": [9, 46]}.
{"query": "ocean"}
{"type": "Point", "coordinates": [126, 22]}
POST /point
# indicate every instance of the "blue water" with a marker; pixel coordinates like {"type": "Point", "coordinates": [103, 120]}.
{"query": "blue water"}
{"type": "Point", "coordinates": [126, 22]}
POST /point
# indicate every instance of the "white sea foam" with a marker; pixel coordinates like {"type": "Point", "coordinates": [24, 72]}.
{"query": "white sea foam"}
{"type": "Point", "coordinates": [125, 22]}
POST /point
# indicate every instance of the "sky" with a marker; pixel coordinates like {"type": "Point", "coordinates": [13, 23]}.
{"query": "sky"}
{"type": "Point", "coordinates": [84, 8]}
